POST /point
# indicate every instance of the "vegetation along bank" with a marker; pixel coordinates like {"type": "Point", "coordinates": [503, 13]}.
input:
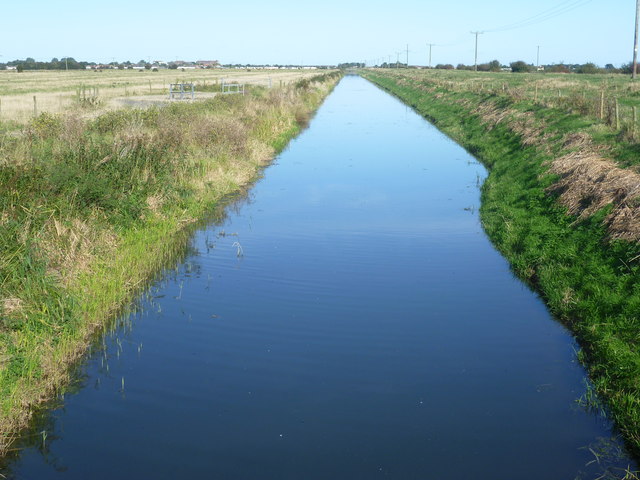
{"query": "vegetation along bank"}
{"type": "Point", "coordinates": [561, 202]}
{"type": "Point", "coordinates": [94, 204]}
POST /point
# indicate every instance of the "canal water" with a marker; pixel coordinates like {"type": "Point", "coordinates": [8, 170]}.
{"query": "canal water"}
{"type": "Point", "coordinates": [349, 319]}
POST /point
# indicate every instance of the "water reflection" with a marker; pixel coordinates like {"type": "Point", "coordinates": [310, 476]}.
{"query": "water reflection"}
{"type": "Point", "coordinates": [348, 319]}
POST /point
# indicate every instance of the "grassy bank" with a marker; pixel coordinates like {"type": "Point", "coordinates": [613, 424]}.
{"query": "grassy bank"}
{"type": "Point", "coordinates": [561, 202]}
{"type": "Point", "coordinates": [92, 208]}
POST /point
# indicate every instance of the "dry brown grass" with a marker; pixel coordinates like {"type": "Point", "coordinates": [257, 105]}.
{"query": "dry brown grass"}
{"type": "Point", "coordinates": [590, 182]}
{"type": "Point", "coordinates": [11, 306]}
{"type": "Point", "coordinates": [71, 245]}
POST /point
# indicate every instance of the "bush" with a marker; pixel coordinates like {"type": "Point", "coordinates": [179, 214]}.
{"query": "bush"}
{"type": "Point", "coordinates": [559, 68]}
{"type": "Point", "coordinates": [520, 67]}
{"type": "Point", "coordinates": [627, 68]}
{"type": "Point", "coordinates": [588, 68]}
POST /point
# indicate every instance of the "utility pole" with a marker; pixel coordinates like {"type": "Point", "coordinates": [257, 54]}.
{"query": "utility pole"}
{"type": "Point", "coordinates": [635, 43]}
{"type": "Point", "coordinates": [430, 45]}
{"type": "Point", "coordinates": [408, 53]}
{"type": "Point", "coordinates": [475, 62]}
{"type": "Point", "coordinates": [66, 63]}
{"type": "Point", "coordinates": [397, 59]}
{"type": "Point", "coordinates": [538, 58]}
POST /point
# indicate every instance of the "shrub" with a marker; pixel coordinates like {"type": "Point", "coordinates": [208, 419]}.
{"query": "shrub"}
{"type": "Point", "coordinates": [520, 67]}
{"type": "Point", "coordinates": [588, 68]}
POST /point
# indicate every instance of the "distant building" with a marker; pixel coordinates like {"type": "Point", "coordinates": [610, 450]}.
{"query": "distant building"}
{"type": "Point", "coordinates": [208, 63]}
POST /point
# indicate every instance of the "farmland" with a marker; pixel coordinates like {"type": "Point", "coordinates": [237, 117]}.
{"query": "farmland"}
{"type": "Point", "coordinates": [93, 91]}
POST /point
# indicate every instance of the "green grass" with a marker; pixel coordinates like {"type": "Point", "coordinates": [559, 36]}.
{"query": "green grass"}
{"type": "Point", "coordinates": [91, 209]}
{"type": "Point", "coordinates": [589, 283]}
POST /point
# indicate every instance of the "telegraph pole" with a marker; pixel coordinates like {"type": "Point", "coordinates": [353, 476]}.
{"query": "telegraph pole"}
{"type": "Point", "coordinates": [538, 58]}
{"type": "Point", "coordinates": [408, 53]}
{"type": "Point", "coordinates": [66, 63]}
{"type": "Point", "coordinates": [635, 43]}
{"type": "Point", "coordinates": [475, 62]}
{"type": "Point", "coordinates": [398, 59]}
{"type": "Point", "coordinates": [430, 45]}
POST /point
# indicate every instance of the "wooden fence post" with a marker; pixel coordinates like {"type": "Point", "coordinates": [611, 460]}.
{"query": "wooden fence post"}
{"type": "Point", "coordinates": [601, 104]}
{"type": "Point", "coordinates": [35, 108]}
{"type": "Point", "coordinates": [617, 115]}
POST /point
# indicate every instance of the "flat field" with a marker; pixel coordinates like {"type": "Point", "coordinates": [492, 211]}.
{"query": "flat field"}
{"type": "Point", "coordinates": [609, 98]}
{"type": "Point", "coordinates": [57, 91]}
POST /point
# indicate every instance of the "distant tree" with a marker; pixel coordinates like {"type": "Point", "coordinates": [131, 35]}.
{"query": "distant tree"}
{"type": "Point", "coordinates": [351, 65]}
{"type": "Point", "coordinates": [20, 68]}
{"type": "Point", "coordinates": [520, 67]}
{"type": "Point", "coordinates": [588, 68]}
{"type": "Point", "coordinates": [173, 66]}
{"type": "Point", "coordinates": [494, 66]}
{"type": "Point", "coordinates": [444, 66]}
{"type": "Point", "coordinates": [627, 68]}
{"type": "Point", "coordinates": [558, 68]}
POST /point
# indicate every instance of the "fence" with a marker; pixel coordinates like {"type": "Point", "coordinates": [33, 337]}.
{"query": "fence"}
{"type": "Point", "coordinates": [232, 87]}
{"type": "Point", "coordinates": [181, 89]}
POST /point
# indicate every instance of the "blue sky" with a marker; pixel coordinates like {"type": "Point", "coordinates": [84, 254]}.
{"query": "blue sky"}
{"type": "Point", "coordinates": [327, 32]}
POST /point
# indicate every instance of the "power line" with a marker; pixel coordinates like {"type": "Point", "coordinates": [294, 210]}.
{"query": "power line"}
{"type": "Point", "coordinates": [561, 8]}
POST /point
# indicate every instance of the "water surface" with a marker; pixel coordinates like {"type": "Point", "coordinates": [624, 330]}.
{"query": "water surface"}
{"type": "Point", "coordinates": [348, 320]}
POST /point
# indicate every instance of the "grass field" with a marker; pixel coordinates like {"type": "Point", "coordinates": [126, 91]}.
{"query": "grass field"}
{"type": "Point", "coordinates": [595, 95]}
{"type": "Point", "coordinates": [561, 202]}
{"type": "Point", "coordinates": [59, 91]}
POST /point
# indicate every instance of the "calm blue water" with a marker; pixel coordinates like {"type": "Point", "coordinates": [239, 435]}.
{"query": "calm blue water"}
{"type": "Point", "coordinates": [369, 330]}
